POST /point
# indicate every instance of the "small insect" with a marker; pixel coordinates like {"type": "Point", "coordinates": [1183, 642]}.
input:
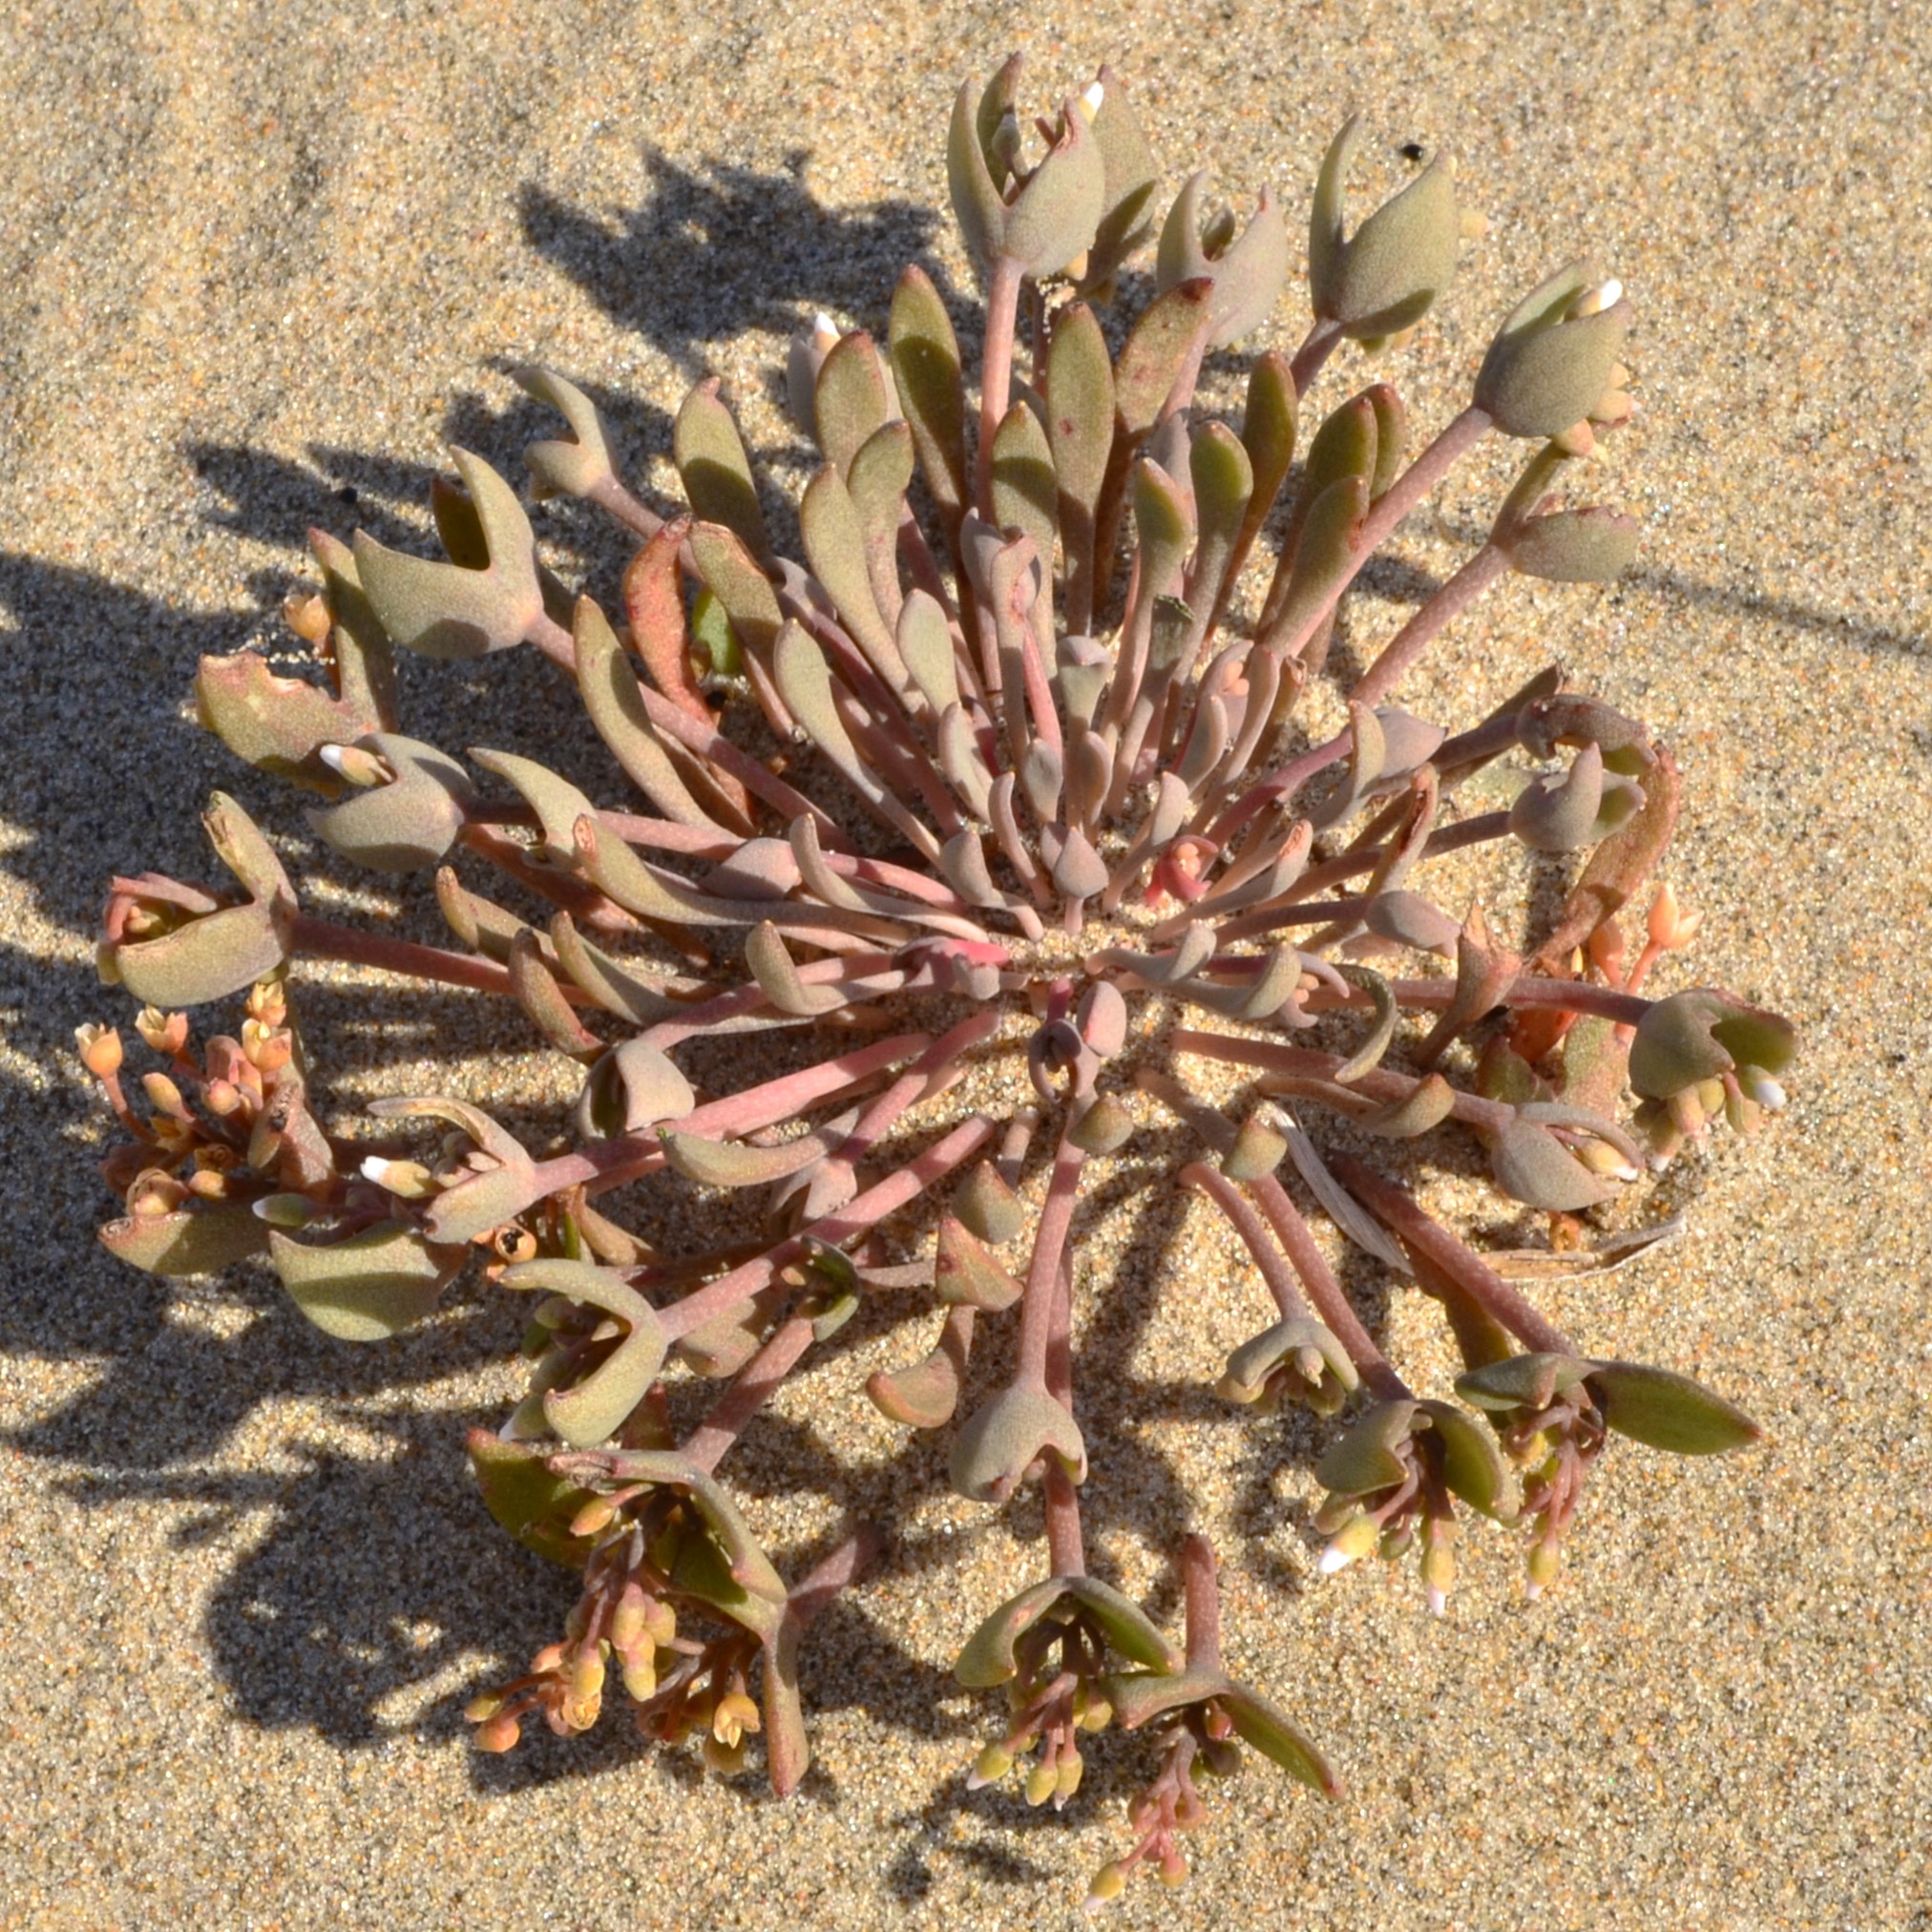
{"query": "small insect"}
{"type": "Point", "coordinates": [1411, 151]}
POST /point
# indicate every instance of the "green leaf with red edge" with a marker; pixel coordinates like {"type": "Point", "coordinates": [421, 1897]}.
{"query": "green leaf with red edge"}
{"type": "Point", "coordinates": [1278, 1737]}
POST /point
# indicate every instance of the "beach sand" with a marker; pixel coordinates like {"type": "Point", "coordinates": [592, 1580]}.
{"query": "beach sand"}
{"type": "Point", "coordinates": [259, 267]}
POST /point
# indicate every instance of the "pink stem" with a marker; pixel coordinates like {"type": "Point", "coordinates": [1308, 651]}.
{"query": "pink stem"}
{"type": "Point", "coordinates": [1317, 346]}
{"type": "Point", "coordinates": [1398, 1210]}
{"type": "Point", "coordinates": [861, 972]}
{"type": "Point", "coordinates": [739, 1113]}
{"type": "Point", "coordinates": [1335, 1308]}
{"type": "Point", "coordinates": [1483, 569]}
{"type": "Point", "coordinates": [749, 1388]}
{"type": "Point", "coordinates": [1066, 1545]}
{"type": "Point", "coordinates": [831, 1574]}
{"type": "Point", "coordinates": [864, 1210]}
{"type": "Point", "coordinates": [1247, 1223]}
{"type": "Point", "coordinates": [1202, 1595]}
{"type": "Point", "coordinates": [1401, 496]}
{"type": "Point", "coordinates": [1279, 785]}
{"type": "Point", "coordinates": [996, 377]}
{"type": "Point", "coordinates": [320, 940]}
{"type": "Point", "coordinates": [1043, 1277]}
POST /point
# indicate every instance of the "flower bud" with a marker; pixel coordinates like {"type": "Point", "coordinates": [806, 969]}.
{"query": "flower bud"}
{"type": "Point", "coordinates": [1106, 1884]}
{"type": "Point", "coordinates": [1670, 927]}
{"type": "Point", "coordinates": [1552, 358]}
{"type": "Point", "coordinates": [1544, 1559]}
{"type": "Point", "coordinates": [165, 1033]}
{"type": "Point", "coordinates": [735, 1715]}
{"type": "Point", "coordinates": [164, 1096]}
{"type": "Point", "coordinates": [599, 1514]}
{"type": "Point", "coordinates": [1354, 1540]}
{"type": "Point", "coordinates": [498, 1734]}
{"type": "Point", "coordinates": [100, 1049]}
{"type": "Point", "coordinates": [627, 1620]}
{"type": "Point", "coordinates": [306, 615]}
{"type": "Point", "coordinates": [1439, 1567]}
{"type": "Point", "coordinates": [410, 1179]}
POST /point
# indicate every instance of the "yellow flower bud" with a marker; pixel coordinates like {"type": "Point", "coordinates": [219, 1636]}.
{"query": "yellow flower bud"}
{"type": "Point", "coordinates": [1106, 1884]}
{"type": "Point", "coordinates": [596, 1514]}
{"type": "Point", "coordinates": [736, 1714]}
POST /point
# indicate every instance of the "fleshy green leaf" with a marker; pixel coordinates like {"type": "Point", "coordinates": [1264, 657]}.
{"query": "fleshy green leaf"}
{"type": "Point", "coordinates": [407, 824]}
{"type": "Point", "coordinates": [1472, 1465]}
{"type": "Point", "coordinates": [716, 472]}
{"type": "Point", "coordinates": [988, 1657]}
{"type": "Point", "coordinates": [200, 1240]}
{"type": "Point", "coordinates": [1008, 1433]}
{"type": "Point", "coordinates": [594, 1409]}
{"type": "Point", "coordinates": [1668, 1411]}
{"type": "Point", "coordinates": [536, 1506]}
{"type": "Point", "coordinates": [369, 1286]}
{"type": "Point", "coordinates": [1279, 1738]}
{"type": "Point", "coordinates": [443, 610]}
{"type": "Point", "coordinates": [1364, 1460]}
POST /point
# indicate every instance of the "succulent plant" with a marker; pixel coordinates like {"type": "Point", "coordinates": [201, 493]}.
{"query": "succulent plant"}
{"type": "Point", "coordinates": [1002, 800]}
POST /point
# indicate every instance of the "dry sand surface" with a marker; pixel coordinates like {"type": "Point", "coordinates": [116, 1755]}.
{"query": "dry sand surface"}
{"type": "Point", "coordinates": [260, 266]}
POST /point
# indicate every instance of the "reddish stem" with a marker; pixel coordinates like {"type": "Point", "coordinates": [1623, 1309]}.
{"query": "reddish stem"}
{"type": "Point", "coordinates": [1321, 341]}
{"type": "Point", "coordinates": [1201, 1589]}
{"type": "Point", "coordinates": [1401, 496]}
{"type": "Point", "coordinates": [1398, 1210]}
{"type": "Point", "coordinates": [322, 939]}
{"type": "Point", "coordinates": [864, 1210]}
{"type": "Point", "coordinates": [1247, 1223]}
{"type": "Point", "coordinates": [614, 1162]}
{"type": "Point", "coordinates": [1483, 569]}
{"type": "Point", "coordinates": [748, 1394]}
{"type": "Point", "coordinates": [1334, 1307]}
{"type": "Point", "coordinates": [995, 373]}
{"type": "Point", "coordinates": [1066, 1545]}
{"type": "Point", "coordinates": [1043, 1277]}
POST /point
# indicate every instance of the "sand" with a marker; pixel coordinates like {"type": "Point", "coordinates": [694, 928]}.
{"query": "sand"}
{"type": "Point", "coordinates": [259, 267]}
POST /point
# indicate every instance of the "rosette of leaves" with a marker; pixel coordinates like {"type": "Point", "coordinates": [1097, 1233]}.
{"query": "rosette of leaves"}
{"type": "Point", "coordinates": [1011, 770]}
